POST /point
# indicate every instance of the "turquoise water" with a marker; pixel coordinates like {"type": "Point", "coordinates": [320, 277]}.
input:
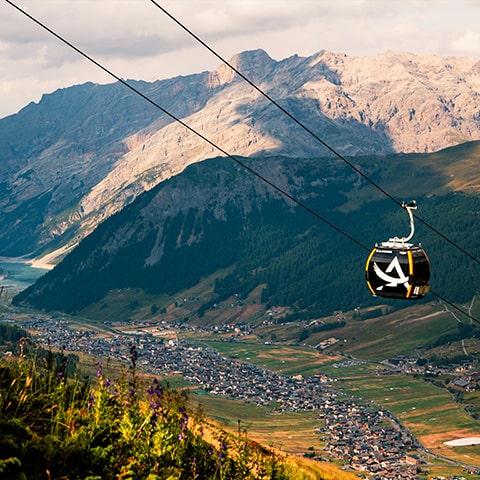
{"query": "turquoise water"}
{"type": "Point", "coordinates": [20, 275]}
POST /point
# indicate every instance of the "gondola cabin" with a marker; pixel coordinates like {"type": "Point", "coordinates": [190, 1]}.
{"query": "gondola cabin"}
{"type": "Point", "coordinates": [397, 269]}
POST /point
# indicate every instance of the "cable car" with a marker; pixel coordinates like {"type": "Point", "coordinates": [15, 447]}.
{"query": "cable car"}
{"type": "Point", "coordinates": [397, 269]}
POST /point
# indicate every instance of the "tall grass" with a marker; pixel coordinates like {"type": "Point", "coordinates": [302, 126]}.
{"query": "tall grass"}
{"type": "Point", "coordinates": [54, 427]}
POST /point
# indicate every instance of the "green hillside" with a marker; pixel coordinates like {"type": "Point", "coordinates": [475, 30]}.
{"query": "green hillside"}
{"type": "Point", "coordinates": [217, 216]}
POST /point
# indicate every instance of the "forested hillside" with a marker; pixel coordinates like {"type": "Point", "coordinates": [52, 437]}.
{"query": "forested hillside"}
{"type": "Point", "coordinates": [217, 215]}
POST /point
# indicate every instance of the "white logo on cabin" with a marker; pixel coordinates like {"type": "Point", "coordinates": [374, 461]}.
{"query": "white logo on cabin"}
{"type": "Point", "coordinates": [391, 281]}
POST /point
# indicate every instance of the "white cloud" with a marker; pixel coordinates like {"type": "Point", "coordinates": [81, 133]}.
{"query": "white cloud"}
{"type": "Point", "coordinates": [468, 43]}
{"type": "Point", "coordinates": [135, 39]}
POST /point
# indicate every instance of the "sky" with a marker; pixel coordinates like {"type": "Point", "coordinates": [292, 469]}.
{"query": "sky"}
{"type": "Point", "coordinates": [136, 40]}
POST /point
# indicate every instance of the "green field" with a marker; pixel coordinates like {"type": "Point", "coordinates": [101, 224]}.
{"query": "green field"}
{"type": "Point", "coordinates": [291, 432]}
{"type": "Point", "coordinates": [400, 332]}
{"type": "Point", "coordinates": [290, 360]}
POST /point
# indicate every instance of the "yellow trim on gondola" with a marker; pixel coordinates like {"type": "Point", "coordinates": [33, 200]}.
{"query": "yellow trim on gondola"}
{"type": "Point", "coordinates": [410, 273]}
{"type": "Point", "coordinates": [369, 258]}
{"type": "Point", "coordinates": [371, 289]}
{"type": "Point", "coordinates": [366, 270]}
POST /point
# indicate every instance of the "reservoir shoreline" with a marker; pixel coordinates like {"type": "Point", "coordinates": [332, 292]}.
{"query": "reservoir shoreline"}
{"type": "Point", "coordinates": [21, 272]}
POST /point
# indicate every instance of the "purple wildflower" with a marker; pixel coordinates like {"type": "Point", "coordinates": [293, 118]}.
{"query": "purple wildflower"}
{"type": "Point", "coordinates": [150, 391]}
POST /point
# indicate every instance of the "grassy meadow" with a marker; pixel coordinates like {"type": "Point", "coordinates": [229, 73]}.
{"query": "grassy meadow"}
{"type": "Point", "coordinates": [290, 432]}
{"type": "Point", "coordinates": [290, 360]}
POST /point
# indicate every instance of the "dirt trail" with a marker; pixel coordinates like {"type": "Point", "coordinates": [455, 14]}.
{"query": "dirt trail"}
{"type": "Point", "coordinates": [418, 319]}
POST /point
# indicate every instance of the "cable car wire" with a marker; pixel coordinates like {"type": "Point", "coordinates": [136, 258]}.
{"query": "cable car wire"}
{"type": "Point", "coordinates": [191, 129]}
{"type": "Point", "coordinates": [308, 130]}
{"type": "Point", "coordinates": [188, 127]}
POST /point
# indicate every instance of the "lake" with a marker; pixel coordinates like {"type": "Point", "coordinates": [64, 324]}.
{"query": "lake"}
{"type": "Point", "coordinates": [20, 274]}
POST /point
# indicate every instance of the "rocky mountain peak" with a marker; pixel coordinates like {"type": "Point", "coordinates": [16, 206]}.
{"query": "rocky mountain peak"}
{"type": "Point", "coordinates": [83, 153]}
{"type": "Point", "coordinates": [250, 63]}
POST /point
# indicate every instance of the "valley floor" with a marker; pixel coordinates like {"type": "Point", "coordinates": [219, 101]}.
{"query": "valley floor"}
{"type": "Point", "coordinates": [358, 433]}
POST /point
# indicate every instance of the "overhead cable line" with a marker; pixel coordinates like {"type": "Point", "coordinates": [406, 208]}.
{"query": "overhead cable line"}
{"type": "Point", "coordinates": [210, 142]}
{"type": "Point", "coordinates": [307, 129]}
{"type": "Point", "coordinates": [188, 127]}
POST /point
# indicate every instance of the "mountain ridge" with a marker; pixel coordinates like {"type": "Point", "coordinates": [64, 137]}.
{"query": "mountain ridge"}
{"type": "Point", "coordinates": [85, 152]}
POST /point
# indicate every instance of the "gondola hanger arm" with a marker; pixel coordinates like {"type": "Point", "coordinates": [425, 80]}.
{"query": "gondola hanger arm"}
{"type": "Point", "coordinates": [403, 240]}
{"type": "Point", "coordinates": [409, 207]}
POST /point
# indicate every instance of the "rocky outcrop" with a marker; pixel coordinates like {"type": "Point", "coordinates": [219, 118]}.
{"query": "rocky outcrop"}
{"type": "Point", "coordinates": [85, 152]}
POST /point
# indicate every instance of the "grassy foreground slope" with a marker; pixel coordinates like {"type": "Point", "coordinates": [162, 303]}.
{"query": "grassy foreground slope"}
{"type": "Point", "coordinates": [55, 427]}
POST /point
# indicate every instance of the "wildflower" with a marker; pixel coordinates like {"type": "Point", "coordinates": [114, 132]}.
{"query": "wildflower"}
{"type": "Point", "coordinates": [150, 391]}
{"type": "Point", "coordinates": [158, 390]}
{"type": "Point", "coordinates": [153, 420]}
{"type": "Point", "coordinates": [91, 401]}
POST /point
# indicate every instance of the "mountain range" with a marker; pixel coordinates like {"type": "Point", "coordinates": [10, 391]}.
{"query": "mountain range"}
{"type": "Point", "coordinates": [85, 152]}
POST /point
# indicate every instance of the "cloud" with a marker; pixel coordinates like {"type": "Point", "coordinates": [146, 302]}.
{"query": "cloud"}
{"type": "Point", "coordinates": [468, 43]}
{"type": "Point", "coordinates": [135, 39]}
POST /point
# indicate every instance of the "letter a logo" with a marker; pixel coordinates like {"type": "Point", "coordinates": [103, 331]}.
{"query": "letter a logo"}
{"type": "Point", "coordinates": [388, 279]}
